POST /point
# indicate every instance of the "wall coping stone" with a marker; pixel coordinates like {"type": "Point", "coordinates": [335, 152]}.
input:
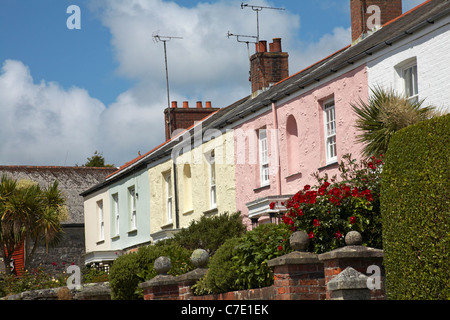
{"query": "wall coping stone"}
{"type": "Point", "coordinates": [352, 252]}
{"type": "Point", "coordinates": [159, 280]}
{"type": "Point", "coordinates": [295, 257]}
{"type": "Point", "coordinates": [193, 275]}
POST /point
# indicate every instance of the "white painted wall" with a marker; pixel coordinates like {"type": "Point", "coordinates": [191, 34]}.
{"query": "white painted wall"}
{"type": "Point", "coordinates": [431, 47]}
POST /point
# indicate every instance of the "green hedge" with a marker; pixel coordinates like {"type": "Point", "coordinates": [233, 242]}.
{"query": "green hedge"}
{"type": "Point", "coordinates": [415, 211]}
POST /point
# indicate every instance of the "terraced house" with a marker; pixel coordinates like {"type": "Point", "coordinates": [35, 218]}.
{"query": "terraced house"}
{"type": "Point", "coordinates": [264, 147]}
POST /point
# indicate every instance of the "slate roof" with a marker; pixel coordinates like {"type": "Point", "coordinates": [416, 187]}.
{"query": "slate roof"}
{"type": "Point", "coordinates": [403, 26]}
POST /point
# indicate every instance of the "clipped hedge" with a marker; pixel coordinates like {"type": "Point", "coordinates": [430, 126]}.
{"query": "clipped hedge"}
{"type": "Point", "coordinates": [415, 202]}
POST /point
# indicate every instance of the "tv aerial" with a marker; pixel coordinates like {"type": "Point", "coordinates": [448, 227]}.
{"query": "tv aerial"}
{"type": "Point", "coordinates": [158, 38]}
{"type": "Point", "coordinates": [257, 9]}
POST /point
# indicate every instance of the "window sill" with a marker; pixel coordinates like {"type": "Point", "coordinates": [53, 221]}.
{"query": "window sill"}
{"type": "Point", "coordinates": [132, 232]}
{"type": "Point", "coordinates": [293, 175]}
{"type": "Point", "coordinates": [167, 225]}
{"type": "Point", "coordinates": [329, 165]}
{"type": "Point", "coordinates": [211, 211]}
{"type": "Point", "coordinates": [116, 237]}
{"type": "Point", "coordinates": [267, 186]}
{"type": "Point", "coordinates": [188, 212]}
{"type": "Point", "coordinates": [99, 242]}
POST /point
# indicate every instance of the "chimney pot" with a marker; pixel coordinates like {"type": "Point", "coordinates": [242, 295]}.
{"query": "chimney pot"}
{"type": "Point", "coordinates": [208, 104]}
{"type": "Point", "coordinates": [185, 104]}
{"type": "Point", "coordinates": [275, 46]}
{"type": "Point", "coordinates": [261, 46]}
{"type": "Point", "coordinates": [199, 104]}
{"type": "Point", "coordinates": [174, 105]}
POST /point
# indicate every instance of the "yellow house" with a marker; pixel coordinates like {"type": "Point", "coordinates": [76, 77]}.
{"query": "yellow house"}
{"type": "Point", "coordinates": [196, 179]}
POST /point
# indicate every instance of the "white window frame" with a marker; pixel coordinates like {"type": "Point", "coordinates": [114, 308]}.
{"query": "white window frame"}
{"type": "Point", "coordinates": [212, 180]}
{"type": "Point", "coordinates": [263, 149]}
{"type": "Point", "coordinates": [169, 197]}
{"type": "Point", "coordinates": [409, 77]}
{"type": "Point", "coordinates": [329, 117]}
{"type": "Point", "coordinates": [116, 216]}
{"type": "Point", "coordinates": [101, 221]}
{"type": "Point", "coordinates": [132, 204]}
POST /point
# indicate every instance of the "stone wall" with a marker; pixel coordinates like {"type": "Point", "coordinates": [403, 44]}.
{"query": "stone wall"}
{"type": "Point", "coordinates": [337, 275]}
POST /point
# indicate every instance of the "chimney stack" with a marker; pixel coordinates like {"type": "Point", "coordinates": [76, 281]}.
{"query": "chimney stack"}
{"type": "Point", "coordinates": [183, 118]}
{"type": "Point", "coordinates": [363, 19]}
{"type": "Point", "coordinates": [267, 68]}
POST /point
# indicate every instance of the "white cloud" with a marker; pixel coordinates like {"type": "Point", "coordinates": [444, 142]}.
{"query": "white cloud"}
{"type": "Point", "coordinates": [42, 123]}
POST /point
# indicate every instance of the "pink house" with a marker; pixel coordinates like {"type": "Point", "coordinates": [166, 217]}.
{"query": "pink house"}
{"type": "Point", "coordinates": [304, 123]}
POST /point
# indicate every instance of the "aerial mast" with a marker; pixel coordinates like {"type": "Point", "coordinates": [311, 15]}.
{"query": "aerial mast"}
{"type": "Point", "coordinates": [157, 38]}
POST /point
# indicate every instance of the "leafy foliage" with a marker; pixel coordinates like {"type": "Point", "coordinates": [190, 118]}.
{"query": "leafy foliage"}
{"type": "Point", "coordinates": [328, 211]}
{"type": "Point", "coordinates": [415, 202]}
{"type": "Point", "coordinates": [241, 263]}
{"type": "Point", "coordinates": [210, 233]}
{"type": "Point", "coordinates": [131, 269]}
{"type": "Point", "coordinates": [385, 113]}
{"type": "Point", "coordinates": [30, 214]}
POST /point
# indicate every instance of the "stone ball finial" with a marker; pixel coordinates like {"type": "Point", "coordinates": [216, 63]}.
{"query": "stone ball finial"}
{"type": "Point", "coordinates": [353, 238]}
{"type": "Point", "coordinates": [299, 241]}
{"type": "Point", "coordinates": [162, 265]}
{"type": "Point", "coordinates": [200, 258]}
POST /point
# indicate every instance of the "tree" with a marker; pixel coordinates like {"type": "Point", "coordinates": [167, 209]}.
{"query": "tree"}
{"type": "Point", "coordinates": [385, 113]}
{"type": "Point", "coordinates": [29, 215]}
{"type": "Point", "coordinates": [97, 160]}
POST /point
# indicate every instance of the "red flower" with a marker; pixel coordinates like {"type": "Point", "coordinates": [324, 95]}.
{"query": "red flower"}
{"type": "Point", "coordinates": [311, 235]}
{"type": "Point", "coordinates": [307, 187]}
{"type": "Point", "coordinates": [338, 235]}
{"type": "Point", "coordinates": [280, 248]}
{"type": "Point", "coordinates": [272, 205]}
{"type": "Point", "coordinates": [352, 219]}
{"type": "Point", "coordinates": [316, 223]}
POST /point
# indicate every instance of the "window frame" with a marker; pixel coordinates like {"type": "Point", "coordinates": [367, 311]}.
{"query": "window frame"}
{"type": "Point", "coordinates": [132, 208]}
{"type": "Point", "coordinates": [116, 215]}
{"type": "Point", "coordinates": [330, 147]}
{"type": "Point", "coordinates": [412, 78]}
{"type": "Point", "coordinates": [168, 197]}
{"type": "Point", "coordinates": [212, 180]}
{"type": "Point", "coordinates": [263, 157]}
{"type": "Point", "coordinates": [101, 221]}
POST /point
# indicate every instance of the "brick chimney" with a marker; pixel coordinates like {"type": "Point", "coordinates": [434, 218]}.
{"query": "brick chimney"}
{"type": "Point", "coordinates": [363, 19]}
{"type": "Point", "coordinates": [183, 118]}
{"type": "Point", "coordinates": [267, 68]}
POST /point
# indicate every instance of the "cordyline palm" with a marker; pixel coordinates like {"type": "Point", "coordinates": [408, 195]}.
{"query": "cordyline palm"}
{"type": "Point", "coordinates": [28, 214]}
{"type": "Point", "coordinates": [384, 114]}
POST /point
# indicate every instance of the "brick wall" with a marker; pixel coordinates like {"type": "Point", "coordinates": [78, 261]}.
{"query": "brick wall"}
{"type": "Point", "coordinates": [390, 9]}
{"type": "Point", "coordinates": [267, 68]}
{"type": "Point", "coordinates": [185, 117]}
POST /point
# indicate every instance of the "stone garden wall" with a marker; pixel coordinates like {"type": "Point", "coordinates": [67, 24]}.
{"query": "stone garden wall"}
{"type": "Point", "coordinates": [353, 272]}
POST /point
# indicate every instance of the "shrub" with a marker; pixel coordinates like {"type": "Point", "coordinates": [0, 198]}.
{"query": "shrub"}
{"type": "Point", "coordinates": [259, 245]}
{"type": "Point", "coordinates": [241, 263]}
{"type": "Point", "coordinates": [328, 211]}
{"type": "Point", "coordinates": [210, 233]}
{"type": "Point", "coordinates": [129, 270]}
{"type": "Point", "coordinates": [415, 211]}
{"type": "Point", "coordinates": [221, 275]}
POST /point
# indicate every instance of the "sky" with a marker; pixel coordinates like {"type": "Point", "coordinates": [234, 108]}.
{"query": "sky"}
{"type": "Point", "coordinates": [67, 92]}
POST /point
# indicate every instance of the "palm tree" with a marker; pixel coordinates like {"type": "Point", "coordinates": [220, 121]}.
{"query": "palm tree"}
{"type": "Point", "coordinates": [28, 214]}
{"type": "Point", "coordinates": [385, 113]}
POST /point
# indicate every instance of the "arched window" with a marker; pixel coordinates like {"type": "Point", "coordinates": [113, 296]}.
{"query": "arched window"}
{"type": "Point", "coordinates": [293, 145]}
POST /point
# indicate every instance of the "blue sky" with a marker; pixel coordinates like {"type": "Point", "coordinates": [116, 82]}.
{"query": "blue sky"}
{"type": "Point", "coordinates": [67, 93]}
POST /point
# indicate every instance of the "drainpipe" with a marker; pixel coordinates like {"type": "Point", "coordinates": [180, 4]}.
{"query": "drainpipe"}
{"type": "Point", "coordinates": [275, 123]}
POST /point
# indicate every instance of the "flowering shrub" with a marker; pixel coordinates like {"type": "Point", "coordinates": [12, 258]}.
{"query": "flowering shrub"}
{"type": "Point", "coordinates": [331, 209]}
